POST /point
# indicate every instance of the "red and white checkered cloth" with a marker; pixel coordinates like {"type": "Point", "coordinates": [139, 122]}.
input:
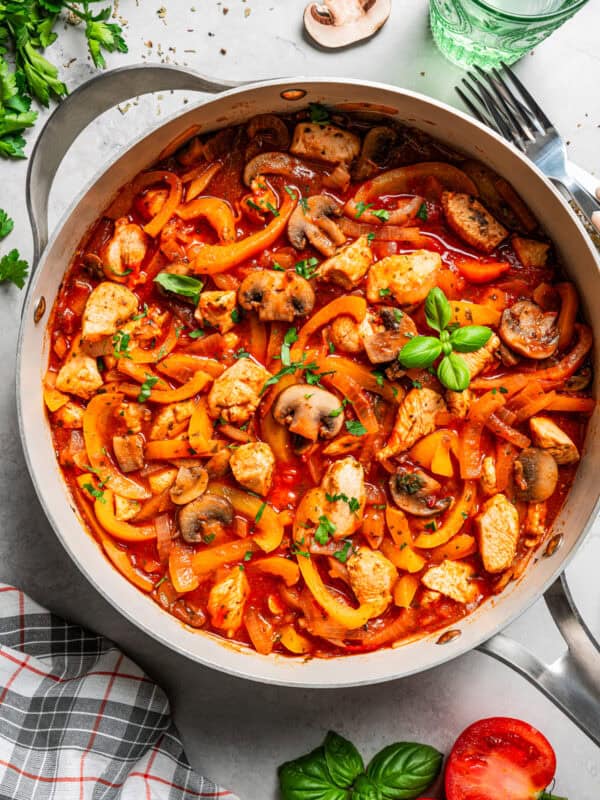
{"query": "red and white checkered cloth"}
{"type": "Point", "coordinates": [79, 720]}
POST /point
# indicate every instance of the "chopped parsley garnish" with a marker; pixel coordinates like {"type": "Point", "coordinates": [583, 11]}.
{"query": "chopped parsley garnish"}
{"type": "Point", "coordinates": [241, 353]}
{"type": "Point", "coordinates": [331, 347]}
{"type": "Point", "coordinates": [143, 313]}
{"type": "Point", "coordinates": [196, 334]}
{"type": "Point", "coordinates": [370, 237]}
{"type": "Point", "coordinates": [336, 412]}
{"type": "Point", "coordinates": [361, 208]}
{"type": "Point", "coordinates": [248, 555]}
{"type": "Point", "coordinates": [325, 530]}
{"type": "Point", "coordinates": [298, 552]}
{"type": "Point", "coordinates": [100, 364]}
{"type": "Point", "coordinates": [342, 555]}
{"type": "Point", "coordinates": [417, 385]}
{"type": "Point", "coordinates": [146, 388]}
{"type": "Point", "coordinates": [503, 390]}
{"type": "Point", "coordinates": [355, 427]}
{"type": "Point", "coordinates": [384, 292]}
{"type": "Point", "coordinates": [258, 517]}
{"type": "Point", "coordinates": [409, 482]}
{"type": "Point", "coordinates": [235, 315]}
{"type": "Point", "coordinates": [398, 314]}
{"type": "Point", "coordinates": [318, 114]}
{"type": "Point", "coordinates": [255, 206]}
{"type": "Point", "coordinates": [121, 344]}
{"type": "Point", "coordinates": [380, 506]}
{"type": "Point", "coordinates": [381, 214]}
{"type": "Point", "coordinates": [311, 374]}
{"type": "Point", "coordinates": [378, 376]}
{"type": "Point", "coordinates": [422, 212]}
{"type": "Point", "coordinates": [303, 204]}
{"type": "Point", "coordinates": [277, 267]}
{"type": "Point", "coordinates": [290, 337]}
{"type": "Point", "coordinates": [290, 191]}
{"type": "Point", "coordinates": [120, 274]}
{"type": "Point", "coordinates": [272, 209]}
{"type": "Point", "coordinates": [207, 538]}
{"type": "Point", "coordinates": [97, 493]}
{"type": "Point", "coordinates": [431, 526]}
{"type": "Point", "coordinates": [307, 268]}
{"type": "Point", "coordinates": [353, 502]}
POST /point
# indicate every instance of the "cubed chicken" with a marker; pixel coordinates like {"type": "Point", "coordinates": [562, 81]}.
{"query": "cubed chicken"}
{"type": "Point", "coordinates": [69, 416]}
{"type": "Point", "coordinates": [125, 508]}
{"type": "Point", "coordinates": [252, 465]}
{"type": "Point", "coordinates": [108, 306]}
{"type": "Point", "coordinates": [372, 577]}
{"type": "Point", "coordinates": [134, 415]}
{"type": "Point", "coordinates": [547, 435]}
{"type": "Point", "coordinates": [345, 334]}
{"type": "Point", "coordinates": [167, 418]}
{"type": "Point", "coordinates": [478, 360]}
{"type": "Point", "coordinates": [472, 222]}
{"type": "Point", "coordinates": [79, 375]}
{"type": "Point", "coordinates": [535, 519]}
{"type": "Point", "coordinates": [227, 600]}
{"type": "Point", "coordinates": [127, 248]}
{"type": "Point", "coordinates": [216, 309]}
{"type": "Point", "coordinates": [235, 394]}
{"type": "Point", "coordinates": [498, 532]}
{"type": "Point", "coordinates": [488, 476]}
{"type": "Point", "coordinates": [459, 403]}
{"type": "Point", "coordinates": [530, 252]}
{"type": "Point", "coordinates": [345, 495]}
{"type": "Point", "coordinates": [453, 579]}
{"type": "Point", "coordinates": [325, 143]}
{"type": "Point", "coordinates": [162, 479]}
{"type": "Point", "coordinates": [415, 418]}
{"type": "Point", "coordinates": [349, 266]}
{"type": "Point", "coordinates": [408, 277]}
{"type": "Point", "coordinates": [129, 451]}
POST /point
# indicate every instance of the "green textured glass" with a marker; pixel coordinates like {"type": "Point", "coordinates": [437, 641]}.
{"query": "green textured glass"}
{"type": "Point", "coordinates": [486, 32]}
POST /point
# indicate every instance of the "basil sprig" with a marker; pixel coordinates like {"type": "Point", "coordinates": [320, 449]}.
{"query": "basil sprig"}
{"type": "Point", "coordinates": [422, 351]}
{"type": "Point", "coordinates": [336, 771]}
{"type": "Point", "coordinates": [184, 285]}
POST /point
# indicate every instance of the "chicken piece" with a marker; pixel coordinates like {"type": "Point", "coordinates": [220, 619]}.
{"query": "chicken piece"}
{"type": "Point", "coordinates": [162, 479]}
{"type": "Point", "coordinates": [415, 418]}
{"type": "Point", "coordinates": [459, 403]}
{"type": "Point", "coordinates": [170, 416]}
{"type": "Point", "coordinates": [227, 599]}
{"type": "Point", "coordinates": [129, 451]}
{"type": "Point", "coordinates": [69, 416]}
{"type": "Point", "coordinates": [453, 579]}
{"type": "Point", "coordinates": [134, 415]}
{"type": "Point", "coordinates": [127, 248]}
{"type": "Point", "coordinates": [325, 143]}
{"type": "Point", "coordinates": [498, 532]}
{"type": "Point", "coordinates": [107, 307]}
{"type": "Point", "coordinates": [348, 266]}
{"type": "Point", "coordinates": [530, 252]}
{"type": "Point", "coordinates": [235, 394]}
{"type": "Point", "coordinates": [480, 359]}
{"type": "Point", "coordinates": [488, 476]}
{"type": "Point", "coordinates": [252, 465]}
{"type": "Point", "coordinates": [79, 375]}
{"type": "Point", "coordinates": [125, 508]}
{"type": "Point", "coordinates": [535, 520]}
{"type": "Point", "coordinates": [345, 333]}
{"type": "Point", "coordinates": [408, 277]}
{"type": "Point", "coordinates": [216, 309]}
{"type": "Point", "coordinates": [372, 577]}
{"type": "Point", "coordinates": [547, 435]}
{"type": "Point", "coordinates": [345, 493]}
{"type": "Point", "coordinates": [470, 220]}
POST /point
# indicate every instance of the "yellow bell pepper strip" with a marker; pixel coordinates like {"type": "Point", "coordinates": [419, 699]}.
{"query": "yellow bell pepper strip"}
{"type": "Point", "coordinates": [350, 618]}
{"type": "Point", "coordinates": [454, 521]}
{"type": "Point", "coordinates": [266, 519]}
{"type": "Point", "coordinates": [158, 222]}
{"type": "Point", "coordinates": [279, 566]}
{"type": "Point", "coordinates": [189, 389]}
{"type": "Point", "coordinates": [166, 449]}
{"type": "Point", "coordinates": [209, 259]}
{"type": "Point", "coordinates": [104, 509]}
{"type": "Point", "coordinates": [199, 178]}
{"type": "Point", "coordinates": [460, 546]}
{"type": "Point", "coordinates": [401, 553]}
{"type": "Point", "coordinates": [182, 575]}
{"type": "Point", "coordinates": [277, 437]}
{"type": "Point", "coordinates": [293, 641]}
{"type": "Point", "coordinates": [200, 428]}
{"type": "Point", "coordinates": [210, 559]}
{"type": "Point", "coordinates": [141, 356]}
{"type": "Point", "coordinates": [217, 212]}
{"type": "Point", "coordinates": [182, 366]}
{"type": "Point", "coordinates": [54, 399]}
{"type": "Point", "coordinates": [119, 558]}
{"type": "Point", "coordinates": [433, 452]}
{"type": "Point", "coordinates": [349, 305]}
{"type": "Point", "coordinates": [404, 590]}
{"type": "Point", "coordinates": [96, 418]}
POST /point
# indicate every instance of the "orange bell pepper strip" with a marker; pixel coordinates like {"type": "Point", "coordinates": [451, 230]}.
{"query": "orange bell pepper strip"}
{"type": "Point", "coordinates": [433, 452]}
{"type": "Point", "coordinates": [363, 376]}
{"type": "Point", "coordinates": [454, 521]}
{"type": "Point", "coordinates": [189, 389]}
{"type": "Point", "coordinates": [260, 630]}
{"type": "Point", "coordinates": [166, 449]}
{"type": "Point", "coordinates": [140, 373]}
{"type": "Point", "coordinates": [206, 561]}
{"type": "Point", "coordinates": [294, 641]}
{"type": "Point", "coordinates": [199, 178]}
{"type": "Point", "coordinates": [465, 313]}
{"type": "Point", "coordinates": [158, 222]}
{"type": "Point", "coordinates": [141, 356]}
{"type": "Point", "coordinates": [373, 527]}
{"type": "Point", "coordinates": [568, 365]}
{"type": "Point", "coordinates": [506, 431]}
{"type": "Point", "coordinates": [217, 212]}
{"type": "Point", "coordinates": [279, 566]}
{"type": "Point", "coordinates": [480, 271]}
{"type": "Point", "coordinates": [460, 546]}
{"type": "Point", "coordinates": [562, 402]}
{"type": "Point", "coordinates": [200, 428]}
{"type": "Point", "coordinates": [347, 616]}
{"type": "Point", "coordinates": [182, 366]}
{"type": "Point", "coordinates": [104, 509]}
{"type": "Point", "coordinates": [182, 575]}
{"type": "Point", "coordinates": [257, 344]}
{"type": "Point", "coordinates": [209, 259]}
{"type": "Point", "coordinates": [568, 312]}
{"type": "Point", "coordinates": [266, 519]}
{"type": "Point", "coordinates": [96, 422]}
{"type": "Point", "coordinates": [470, 455]}
{"type": "Point", "coordinates": [349, 305]}
{"type": "Point", "coordinates": [277, 437]}
{"type": "Point", "coordinates": [404, 591]}
{"type": "Point", "coordinates": [350, 389]}
{"type": "Point", "coordinates": [401, 553]}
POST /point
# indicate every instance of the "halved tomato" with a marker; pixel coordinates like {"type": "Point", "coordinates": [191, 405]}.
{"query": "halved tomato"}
{"type": "Point", "coordinates": [498, 758]}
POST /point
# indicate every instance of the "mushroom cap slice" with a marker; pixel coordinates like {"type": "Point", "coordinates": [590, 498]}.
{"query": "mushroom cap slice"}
{"type": "Point", "coordinates": [414, 492]}
{"type": "Point", "coordinates": [528, 330]}
{"type": "Point", "coordinates": [311, 221]}
{"type": "Point", "coordinates": [375, 152]}
{"type": "Point", "coordinates": [189, 484]}
{"type": "Point", "coordinates": [392, 329]}
{"type": "Point", "coordinates": [309, 412]}
{"type": "Point", "coordinates": [339, 23]}
{"type": "Point", "coordinates": [276, 296]}
{"type": "Point", "coordinates": [207, 515]}
{"type": "Point", "coordinates": [536, 475]}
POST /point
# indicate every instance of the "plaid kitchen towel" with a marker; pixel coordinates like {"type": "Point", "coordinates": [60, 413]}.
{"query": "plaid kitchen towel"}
{"type": "Point", "coordinates": [79, 720]}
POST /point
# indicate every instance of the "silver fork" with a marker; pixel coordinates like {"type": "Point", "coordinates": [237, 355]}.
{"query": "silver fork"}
{"type": "Point", "coordinates": [499, 100]}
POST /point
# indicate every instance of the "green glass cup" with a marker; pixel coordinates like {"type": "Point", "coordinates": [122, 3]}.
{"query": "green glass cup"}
{"type": "Point", "coordinates": [486, 32]}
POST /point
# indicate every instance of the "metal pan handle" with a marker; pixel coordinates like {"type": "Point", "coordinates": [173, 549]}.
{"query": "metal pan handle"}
{"type": "Point", "coordinates": [80, 108]}
{"type": "Point", "coordinates": [572, 682]}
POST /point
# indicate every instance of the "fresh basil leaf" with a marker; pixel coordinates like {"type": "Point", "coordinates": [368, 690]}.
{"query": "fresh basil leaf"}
{"type": "Point", "coordinates": [180, 284]}
{"type": "Point", "coordinates": [420, 351]}
{"type": "Point", "coordinates": [404, 770]}
{"type": "Point", "coordinates": [437, 309]}
{"type": "Point", "coordinates": [308, 778]}
{"type": "Point", "coordinates": [343, 759]}
{"type": "Point", "coordinates": [454, 373]}
{"type": "Point", "coordinates": [366, 789]}
{"type": "Point", "coordinates": [470, 338]}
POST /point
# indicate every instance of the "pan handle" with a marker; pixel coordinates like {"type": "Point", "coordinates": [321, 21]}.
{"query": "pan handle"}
{"type": "Point", "coordinates": [572, 682]}
{"type": "Point", "coordinates": [80, 108]}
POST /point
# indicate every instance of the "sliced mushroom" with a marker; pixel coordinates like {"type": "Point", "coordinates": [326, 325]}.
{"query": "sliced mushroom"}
{"type": "Point", "coordinates": [309, 412]}
{"type": "Point", "coordinates": [276, 296]}
{"type": "Point", "coordinates": [204, 517]}
{"type": "Point", "coordinates": [338, 23]}
{"type": "Point", "coordinates": [267, 130]}
{"type": "Point", "coordinates": [93, 266]}
{"type": "Point", "coordinates": [275, 163]}
{"type": "Point", "coordinates": [529, 331]}
{"type": "Point", "coordinates": [536, 475]}
{"type": "Point", "coordinates": [375, 152]}
{"type": "Point", "coordinates": [312, 221]}
{"type": "Point", "coordinates": [579, 381]}
{"type": "Point", "coordinates": [392, 329]}
{"type": "Point", "coordinates": [415, 492]}
{"type": "Point", "coordinates": [190, 483]}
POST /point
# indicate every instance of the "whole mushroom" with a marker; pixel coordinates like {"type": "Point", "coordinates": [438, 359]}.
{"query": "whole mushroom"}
{"type": "Point", "coordinates": [204, 517]}
{"type": "Point", "coordinates": [338, 23]}
{"type": "Point", "coordinates": [312, 221]}
{"type": "Point", "coordinates": [528, 330]}
{"type": "Point", "coordinates": [415, 492]}
{"type": "Point", "coordinates": [276, 296]}
{"type": "Point", "coordinates": [309, 412]}
{"type": "Point", "coordinates": [536, 475]}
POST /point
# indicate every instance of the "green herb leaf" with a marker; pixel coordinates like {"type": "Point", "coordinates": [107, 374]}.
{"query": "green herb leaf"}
{"type": "Point", "coordinates": [381, 214]}
{"type": "Point", "coordinates": [356, 428]}
{"type": "Point", "coordinates": [366, 789]}
{"type": "Point", "coordinates": [241, 353]}
{"type": "Point", "coordinates": [404, 770]}
{"type": "Point", "coordinates": [343, 554]}
{"type": "Point", "coordinates": [422, 212]}
{"type": "Point", "coordinates": [370, 237]}
{"type": "Point", "coordinates": [307, 268]}
{"type": "Point", "coordinates": [96, 493]}
{"type": "Point", "coordinates": [259, 514]}
{"type": "Point", "coordinates": [324, 530]}
{"type": "Point", "coordinates": [470, 338]}
{"type": "Point", "coordinates": [183, 285]}
{"type": "Point", "coordinates": [146, 388]}
{"type": "Point", "coordinates": [361, 208]}
{"type": "Point", "coordinates": [437, 310]}
{"type": "Point", "coordinates": [343, 760]}
{"type": "Point", "coordinates": [290, 337]}
{"type": "Point", "coordinates": [14, 269]}
{"type": "Point", "coordinates": [420, 351]}
{"type": "Point", "coordinates": [196, 334]}
{"type": "Point", "coordinates": [277, 267]}
{"type": "Point", "coordinates": [235, 315]}
{"type": "Point", "coordinates": [318, 114]}
{"type": "Point", "coordinates": [308, 778]}
{"type": "Point", "coordinates": [454, 373]}
{"type": "Point", "coordinates": [6, 223]}
{"type": "Point", "coordinates": [120, 342]}
{"type": "Point", "coordinates": [385, 292]}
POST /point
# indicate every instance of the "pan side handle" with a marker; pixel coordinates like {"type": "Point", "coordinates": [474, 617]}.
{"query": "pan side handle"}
{"type": "Point", "coordinates": [572, 682]}
{"type": "Point", "coordinates": [80, 108]}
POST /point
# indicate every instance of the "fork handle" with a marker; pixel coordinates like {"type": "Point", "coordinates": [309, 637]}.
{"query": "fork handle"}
{"type": "Point", "coordinates": [584, 199]}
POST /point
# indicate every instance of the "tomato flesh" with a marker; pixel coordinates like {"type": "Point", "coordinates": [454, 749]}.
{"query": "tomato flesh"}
{"type": "Point", "coordinates": [499, 757]}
